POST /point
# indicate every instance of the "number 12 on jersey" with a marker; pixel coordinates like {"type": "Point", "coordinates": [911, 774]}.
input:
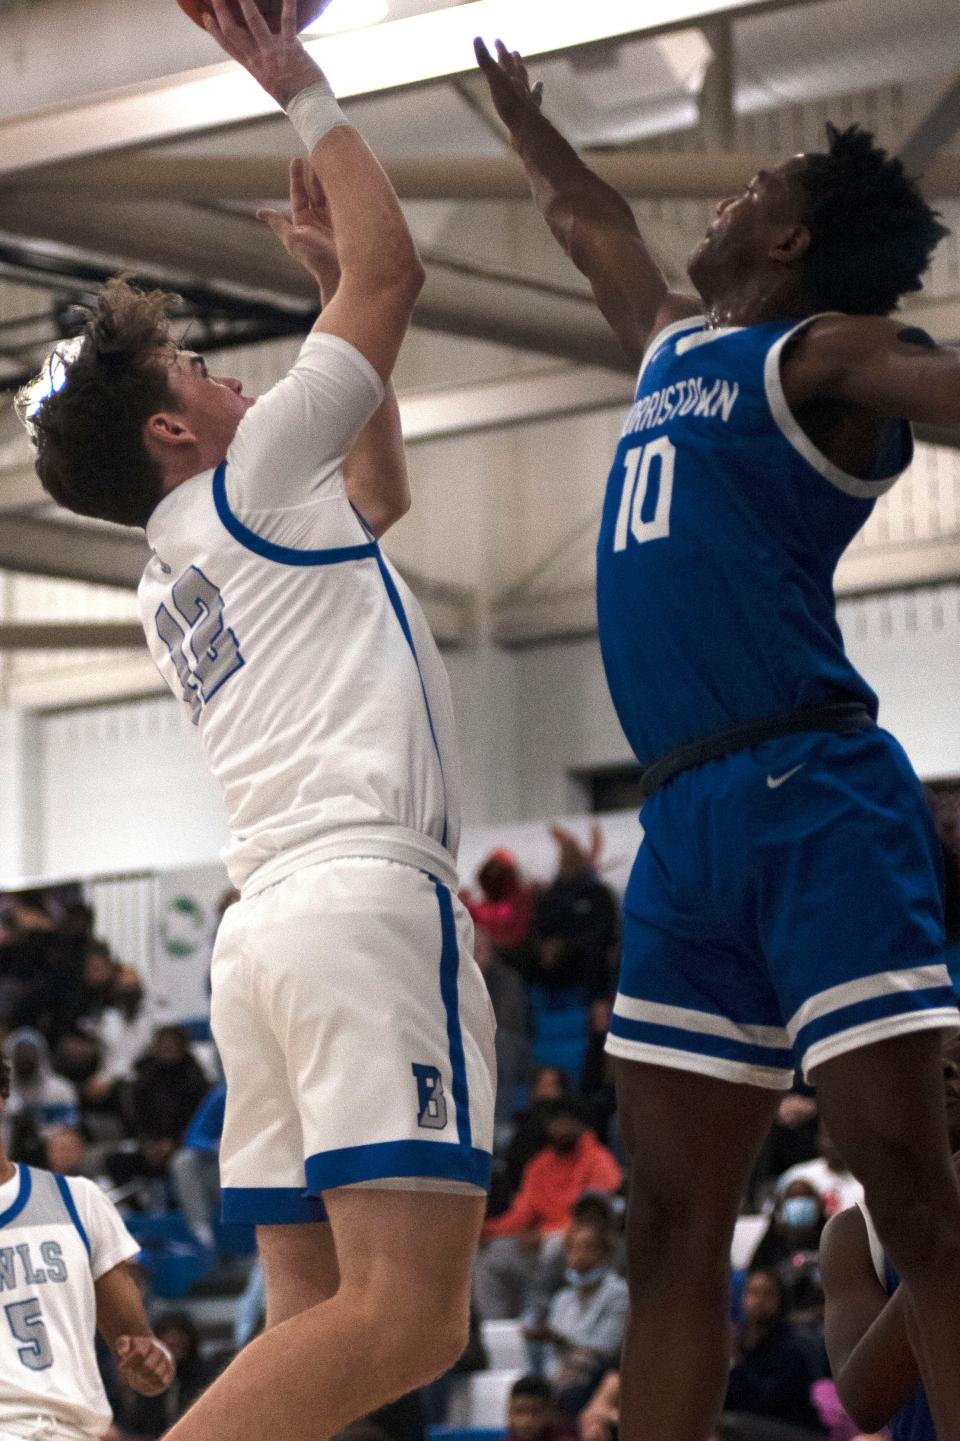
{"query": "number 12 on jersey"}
{"type": "Point", "coordinates": [639, 464]}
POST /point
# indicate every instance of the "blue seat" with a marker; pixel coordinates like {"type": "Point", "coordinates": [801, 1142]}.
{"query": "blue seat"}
{"type": "Point", "coordinates": [174, 1260]}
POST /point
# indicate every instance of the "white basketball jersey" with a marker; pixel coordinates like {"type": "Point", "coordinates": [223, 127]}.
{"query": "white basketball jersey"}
{"type": "Point", "coordinates": [320, 696]}
{"type": "Point", "coordinates": [57, 1237]}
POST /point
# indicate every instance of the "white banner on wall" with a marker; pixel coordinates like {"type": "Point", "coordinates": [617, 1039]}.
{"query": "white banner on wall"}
{"type": "Point", "coordinates": [187, 916]}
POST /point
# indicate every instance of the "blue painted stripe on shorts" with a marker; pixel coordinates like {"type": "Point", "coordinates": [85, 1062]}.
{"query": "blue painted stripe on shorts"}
{"type": "Point", "coordinates": [401, 615]}
{"type": "Point", "coordinates": [450, 991]}
{"type": "Point", "coordinates": [426, 1160]}
{"type": "Point", "coordinates": [270, 1206]}
{"type": "Point", "coordinates": [282, 554]}
{"type": "Point", "coordinates": [71, 1205]}
{"type": "Point", "coordinates": [723, 1048]}
{"type": "Point", "coordinates": [22, 1197]}
{"type": "Point", "coordinates": [875, 1008]}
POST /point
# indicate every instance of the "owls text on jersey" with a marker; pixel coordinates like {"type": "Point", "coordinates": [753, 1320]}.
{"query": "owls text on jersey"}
{"type": "Point", "coordinates": [721, 531]}
{"type": "Point", "coordinates": [57, 1237]}
{"type": "Point", "coordinates": [322, 702]}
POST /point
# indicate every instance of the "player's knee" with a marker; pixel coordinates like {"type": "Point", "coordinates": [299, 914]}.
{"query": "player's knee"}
{"type": "Point", "coordinates": [669, 1229]}
{"type": "Point", "coordinates": [446, 1322]}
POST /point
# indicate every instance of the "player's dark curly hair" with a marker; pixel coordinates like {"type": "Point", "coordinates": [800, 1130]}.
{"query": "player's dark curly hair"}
{"type": "Point", "coordinates": [4, 1078]}
{"type": "Point", "coordinates": [872, 232]}
{"type": "Point", "coordinates": [88, 433]}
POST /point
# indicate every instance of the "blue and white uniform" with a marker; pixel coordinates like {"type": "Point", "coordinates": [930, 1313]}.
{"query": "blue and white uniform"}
{"type": "Point", "coordinates": [353, 1024]}
{"type": "Point", "coordinates": [57, 1237]}
{"type": "Point", "coordinates": [785, 902]}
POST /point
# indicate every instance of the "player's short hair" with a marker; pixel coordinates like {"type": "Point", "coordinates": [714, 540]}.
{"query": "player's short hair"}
{"type": "Point", "coordinates": [872, 232]}
{"type": "Point", "coordinates": [4, 1078]}
{"type": "Point", "coordinates": [86, 410]}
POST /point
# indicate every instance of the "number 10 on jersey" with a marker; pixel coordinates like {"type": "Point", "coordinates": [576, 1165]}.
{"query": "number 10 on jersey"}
{"type": "Point", "coordinates": [645, 464]}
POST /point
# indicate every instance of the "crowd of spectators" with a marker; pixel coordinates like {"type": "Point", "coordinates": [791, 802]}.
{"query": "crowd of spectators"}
{"type": "Point", "coordinates": [103, 1087]}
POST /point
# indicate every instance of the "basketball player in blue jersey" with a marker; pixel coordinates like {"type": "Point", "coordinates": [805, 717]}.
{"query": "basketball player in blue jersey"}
{"type": "Point", "coordinates": [354, 1026]}
{"type": "Point", "coordinates": [785, 904]}
{"type": "Point", "coordinates": [867, 1332]}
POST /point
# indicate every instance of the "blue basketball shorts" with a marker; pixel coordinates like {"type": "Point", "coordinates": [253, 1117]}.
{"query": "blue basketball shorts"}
{"type": "Point", "coordinates": [785, 907]}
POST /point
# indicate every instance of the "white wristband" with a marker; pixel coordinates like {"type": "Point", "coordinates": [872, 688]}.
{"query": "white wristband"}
{"type": "Point", "coordinates": [314, 112]}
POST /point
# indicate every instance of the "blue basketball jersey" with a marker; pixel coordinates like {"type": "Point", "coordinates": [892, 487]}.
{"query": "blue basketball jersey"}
{"type": "Point", "coordinates": [722, 527]}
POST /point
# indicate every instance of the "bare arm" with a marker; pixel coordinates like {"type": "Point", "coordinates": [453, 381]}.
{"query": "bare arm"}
{"type": "Point", "coordinates": [590, 220]}
{"type": "Point", "coordinates": [873, 1366]}
{"type": "Point", "coordinates": [876, 364]}
{"type": "Point", "coordinates": [375, 468]}
{"type": "Point", "coordinates": [381, 271]}
{"type": "Point", "coordinates": [142, 1361]}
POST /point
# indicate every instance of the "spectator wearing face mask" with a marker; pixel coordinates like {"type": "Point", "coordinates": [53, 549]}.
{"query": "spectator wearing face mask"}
{"type": "Point", "coordinates": [587, 1317]}
{"type": "Point", "coordinates": [795, 1226]}
{"type": "Point", "coordinates": [828, 1174]}
{"type": "Point", "coordinates": [519, 1241]}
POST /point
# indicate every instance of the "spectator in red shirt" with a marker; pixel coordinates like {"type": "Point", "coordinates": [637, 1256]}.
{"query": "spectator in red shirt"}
{"type": "Point", "coordinates": [505, 909]}
{"type": "Point", "coordinates": [529, 1234]}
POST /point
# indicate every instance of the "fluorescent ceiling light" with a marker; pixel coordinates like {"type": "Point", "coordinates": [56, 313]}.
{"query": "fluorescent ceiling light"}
{"type": "Point", "coordinates": [349, 15]}
{"type": "Point", "coordinates": [389, 56]}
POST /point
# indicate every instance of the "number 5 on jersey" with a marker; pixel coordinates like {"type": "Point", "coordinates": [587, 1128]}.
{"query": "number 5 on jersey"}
{"type": "Point", "coordinates": [645, 464]}
{"type": "Point", "coordinates": [207, 653]}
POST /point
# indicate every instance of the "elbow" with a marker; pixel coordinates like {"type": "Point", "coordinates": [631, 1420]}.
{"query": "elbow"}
{"type": "Point", "coordinates": [407, 273]}
{"type": "Point", "coordinates": [864, 1411]}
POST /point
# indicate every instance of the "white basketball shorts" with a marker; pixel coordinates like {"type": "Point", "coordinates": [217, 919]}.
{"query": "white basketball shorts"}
{"type": "Point", "coordinates": [357, 1038]}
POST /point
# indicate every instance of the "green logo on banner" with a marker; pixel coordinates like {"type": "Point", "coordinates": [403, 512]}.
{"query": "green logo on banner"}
{"type": "Point", "coordinates": [183, 928]}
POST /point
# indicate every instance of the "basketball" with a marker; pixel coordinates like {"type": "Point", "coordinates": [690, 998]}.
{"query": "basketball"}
{"type": "Point", "coordinates": [307, 11]}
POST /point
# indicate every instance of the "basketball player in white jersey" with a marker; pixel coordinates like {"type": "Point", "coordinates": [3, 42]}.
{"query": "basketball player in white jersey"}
{"type": "Point", "coordinates": [353, 1023]}
{"type": "Point", "coordinates": [63, 1277]}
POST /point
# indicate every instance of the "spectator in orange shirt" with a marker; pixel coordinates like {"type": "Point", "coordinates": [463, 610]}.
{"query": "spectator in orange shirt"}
{"type": "Point", "coordinates": [531, 1232]}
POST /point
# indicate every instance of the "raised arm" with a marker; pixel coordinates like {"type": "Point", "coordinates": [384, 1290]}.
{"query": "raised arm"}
{"type": "Point", "coordinates": [873, 1366]}
{"type": "Point", "coordinates": [590, 220]}
{"type": "Point", "coordinates": [877, 364]}
{"type": "Point", "coordinates": [375, 467]}
{"type": "Point", "coordinates": [381, 272]}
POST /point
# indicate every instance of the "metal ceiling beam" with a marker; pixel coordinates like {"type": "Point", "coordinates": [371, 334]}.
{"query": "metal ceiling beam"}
{"type": "Point", "coordinates": [100, 555]}
{"type": "Point", "coordinates": [115, 556]}
{"type": "Point", "coordinates": [217, 96]}
{"type": "Point", "coordinates": [71, 635]}
{"type": "Point", "coordinates": [936, 129]}
{"type": "Point", "coordinates": [240, 256]}
{"type": "Point", "coordinates": [208, 180]}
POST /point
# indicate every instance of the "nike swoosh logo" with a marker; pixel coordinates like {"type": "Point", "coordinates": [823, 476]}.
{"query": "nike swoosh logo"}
{"type": "Point", "coordinates": [775, 782]}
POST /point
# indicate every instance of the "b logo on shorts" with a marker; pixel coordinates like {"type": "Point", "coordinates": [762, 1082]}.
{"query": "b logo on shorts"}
{"type": "Point", "coordinates": [432, 1114]}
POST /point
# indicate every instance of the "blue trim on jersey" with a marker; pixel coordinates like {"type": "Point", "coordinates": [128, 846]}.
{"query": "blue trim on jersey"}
{"type": "Point", "coordinates": [72, 1211]}
{"type": "Point", "coordinates": [449, 973]}
{"type": "Point", "coordinates": [384, 1160]}
{"type": "Point", "coordinates": [270, 1206]}
{"type": "Point", "coordinates": [875, 1008]}
{"type": "Point", "coordinates": [23, 1196]}
{"type": "Point", "coordinates": [397, 603]}
{"type": "Point", "coordinates": [721, 1047]}
{"type": "Point", "coordinates": [282, 554]}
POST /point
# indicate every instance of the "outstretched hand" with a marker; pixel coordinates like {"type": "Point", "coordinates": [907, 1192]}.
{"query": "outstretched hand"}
{"type": "Point", "coordinates": [513, 96]}
{"type": "Point", "coordinates": [277, 61]}
{"type": "Point", "coordinates": [306, 234]}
